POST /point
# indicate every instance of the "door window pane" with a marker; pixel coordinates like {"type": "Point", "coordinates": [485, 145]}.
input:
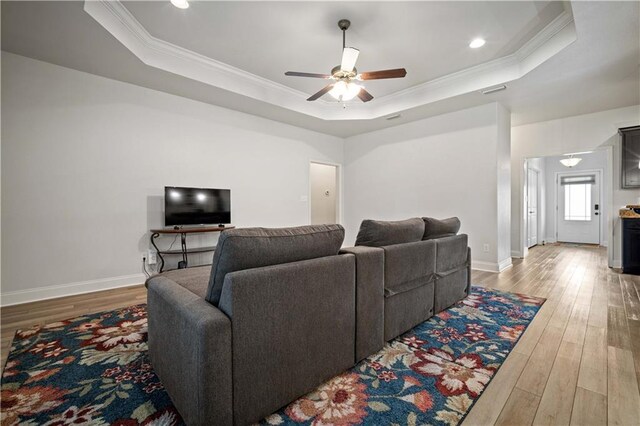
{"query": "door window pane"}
{"type": "Point", "coordinates": [577, 202]}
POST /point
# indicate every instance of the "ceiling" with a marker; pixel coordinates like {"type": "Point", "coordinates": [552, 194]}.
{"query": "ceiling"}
{"type": "Point", "coordinates": [253, 43]}
{"type": "Point", "coordinates": [269, 38]}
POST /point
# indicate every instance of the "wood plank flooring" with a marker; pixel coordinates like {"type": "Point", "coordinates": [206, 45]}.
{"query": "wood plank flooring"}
{"type": "Point", "coordinates": [578, 362]}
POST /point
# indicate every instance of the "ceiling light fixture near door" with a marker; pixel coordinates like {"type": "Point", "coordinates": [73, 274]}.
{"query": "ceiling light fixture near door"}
{"type": "Point", "coordinates": [477, 42]}
{"type": "Point", "coordinates": [180, 4]}
{"type": "Point", "coordinates": [571, 161]}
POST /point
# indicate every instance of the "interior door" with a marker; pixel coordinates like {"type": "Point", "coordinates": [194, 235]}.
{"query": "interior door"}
{"type": "Point", "coordinates": [578, 212]}
{"type": "Point", "coordinates": [324, 187]}
{"type": "Point", "coordinates": [532, 207]}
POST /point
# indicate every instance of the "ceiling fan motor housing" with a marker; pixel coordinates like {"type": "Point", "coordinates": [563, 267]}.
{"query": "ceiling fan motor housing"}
{"type": "Point", "coordinates": [339, 74]}
{"type": "Point", "coordinates": [344, 24]}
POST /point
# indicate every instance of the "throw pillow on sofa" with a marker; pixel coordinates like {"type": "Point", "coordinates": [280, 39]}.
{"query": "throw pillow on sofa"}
{"type": "Point", "coordinates": [440, 228]}
{"type": "Point", "coordinates": [379, 233]}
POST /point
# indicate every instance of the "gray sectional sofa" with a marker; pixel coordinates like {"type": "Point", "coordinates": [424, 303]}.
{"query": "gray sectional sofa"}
{"type": "Point", "coordinates": [282, 310]}
{"type": "Point", "coordinates": [415, 268]}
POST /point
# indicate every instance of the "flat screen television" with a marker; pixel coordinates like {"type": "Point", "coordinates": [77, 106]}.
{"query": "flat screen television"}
{"type": "Point", "coordinates": [196, 206]}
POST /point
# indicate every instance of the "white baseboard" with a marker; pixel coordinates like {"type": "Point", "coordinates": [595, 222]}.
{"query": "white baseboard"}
{"type": "Point", "coordinates": [517, 254]}
{"type": "Point", "coordinates": [505, 264]}
{"type": "Point", "coordinates": [491, 266]}
{"type": "Point", "coordinates": [53, 292]}
{"type": "Point", "coordinates": [617, 263]}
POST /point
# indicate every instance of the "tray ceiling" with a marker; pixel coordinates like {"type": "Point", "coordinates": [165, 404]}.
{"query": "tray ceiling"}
{"type": "Point", "coordinates": [535, 36]}
{"type": "Point", "coordinates": [429, 39]}
{"type": "Point", "coordinates": [584, 60]}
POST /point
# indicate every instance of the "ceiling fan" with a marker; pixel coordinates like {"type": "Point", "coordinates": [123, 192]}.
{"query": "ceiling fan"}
{"type": "Point", "coordinates": [345, 76]}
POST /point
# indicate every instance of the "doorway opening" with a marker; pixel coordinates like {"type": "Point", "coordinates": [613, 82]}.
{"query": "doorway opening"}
{"type": "Point", "coordinates": [578, 207]}
{"type": "Point", "coordinates": [567, 204]}
{"type": "Point", "coordinates": [324, 197]}
{"type": "Point", "coordinates": [533, 198]}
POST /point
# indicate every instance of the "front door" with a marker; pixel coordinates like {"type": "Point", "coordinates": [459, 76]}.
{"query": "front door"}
{"type": "Point", "coordinates": [532, 208]}
{"type": "Point", "coordinates": [578, 212]}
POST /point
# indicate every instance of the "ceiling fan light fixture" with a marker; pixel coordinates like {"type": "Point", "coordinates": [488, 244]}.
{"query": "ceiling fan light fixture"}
{"type": "Point", "coordinates": [180, 4]}
{"type": "Point", "coordinates": [571, 161]}
{"type": "Point", "coordinates": [344, 91]}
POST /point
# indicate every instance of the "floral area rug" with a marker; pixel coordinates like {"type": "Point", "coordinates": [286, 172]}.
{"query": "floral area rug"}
{"type": "Point", "coordinates": [94, 370]}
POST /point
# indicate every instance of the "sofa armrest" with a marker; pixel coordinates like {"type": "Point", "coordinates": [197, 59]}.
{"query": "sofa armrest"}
{"type": "Point", "coordinates": [190, 349]}
{"type": "Point", "coordinates": [369, 299]}
{"type": "Point", "coordinates": [293, 328]}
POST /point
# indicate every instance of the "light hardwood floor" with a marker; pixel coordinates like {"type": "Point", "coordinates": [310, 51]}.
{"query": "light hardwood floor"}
{"type": "Point", "coordinates": [578, 362]}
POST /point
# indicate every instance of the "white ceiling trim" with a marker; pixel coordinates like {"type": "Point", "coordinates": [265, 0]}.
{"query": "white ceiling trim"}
{"type": "Point", "coordinates": [116, 19]}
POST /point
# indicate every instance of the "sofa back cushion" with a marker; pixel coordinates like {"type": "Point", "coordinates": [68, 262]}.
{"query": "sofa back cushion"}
{"type": "Point", "coordinates": [247, 248]}
{"type": "Point", "coordinates": [378, 233]}
{"type": "Point", "coordinates": [408, 266]}
{"type": "Point", "coordinates": [439, 228]}
{"type": "Point", "coordinates": [452, 253]}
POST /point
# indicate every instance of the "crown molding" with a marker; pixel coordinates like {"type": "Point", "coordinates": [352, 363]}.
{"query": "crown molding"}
{"type": "Point", "coordinates": [116, 19]}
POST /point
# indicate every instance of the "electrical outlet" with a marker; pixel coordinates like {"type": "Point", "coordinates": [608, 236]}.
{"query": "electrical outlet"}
{"type": "Point", "coordinates": [485, 248]}
{"type": "Point", "coordinates": [152, 257]}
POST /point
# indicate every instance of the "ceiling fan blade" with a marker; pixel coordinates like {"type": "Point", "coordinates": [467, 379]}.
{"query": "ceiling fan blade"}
{"type": "Point", "coordinates": [364, 95]}
{"type": "Point", "coordinates": [377, 75]}
{"type": "Point", "coordinates": [306, 74]}
{"type": "Point", "coordinates": [324, 90]}
{"type": "Point", "coordinates": [349, 58]}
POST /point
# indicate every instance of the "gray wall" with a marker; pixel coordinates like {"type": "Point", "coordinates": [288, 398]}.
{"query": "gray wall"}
{"type": "Point", "coordinates": [85, 160]}
{"type": "Point", "coordinates": [455, 164]}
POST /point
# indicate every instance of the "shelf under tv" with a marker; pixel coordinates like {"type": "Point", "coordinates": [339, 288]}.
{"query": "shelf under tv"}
{"type": "Point", "coordinates": [184, 251]}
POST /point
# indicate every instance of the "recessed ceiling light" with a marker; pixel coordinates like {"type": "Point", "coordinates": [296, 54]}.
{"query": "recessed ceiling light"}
{"type": "Point", "coordinates": [477, 42]}
{"type": "Point", "coordinates": [180, 4]}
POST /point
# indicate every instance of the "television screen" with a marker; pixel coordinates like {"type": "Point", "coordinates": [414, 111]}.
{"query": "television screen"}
{"type": "Point", "coordinates": [196, 206]}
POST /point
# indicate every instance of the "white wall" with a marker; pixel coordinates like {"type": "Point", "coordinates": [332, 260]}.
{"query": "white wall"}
{"type": "Point", "coordinates": [557, 137]}
{"type": "Point", "coordinates": [594, 161]}
{"type": "Point", "coordinates": [503, 167]}
{"type": "Point", "coordinates": [449, 165]}
{"type": "Point", "coordinates": [85, 160]}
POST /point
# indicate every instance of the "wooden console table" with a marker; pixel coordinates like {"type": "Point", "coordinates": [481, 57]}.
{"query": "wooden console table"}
{"type": "Point", "coordinates": [184, 251]}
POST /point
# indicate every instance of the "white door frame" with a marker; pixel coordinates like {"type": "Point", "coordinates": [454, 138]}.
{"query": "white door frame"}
{"type": "Point", "coordinates": [339, 198]}
{"type": "Point", "coordinates": [600, 173]}
{"type": "Point", "coordinates": [538, 204]}
{"type": "Point", "coordinates": [524, 204]}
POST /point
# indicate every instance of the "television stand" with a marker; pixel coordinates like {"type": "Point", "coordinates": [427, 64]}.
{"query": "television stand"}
{"type": "Point", "coordinates": [184, 251]}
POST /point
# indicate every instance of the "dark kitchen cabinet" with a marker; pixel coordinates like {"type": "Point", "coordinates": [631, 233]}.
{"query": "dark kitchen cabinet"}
{"type": "Point", "coordinates": [631, 246]}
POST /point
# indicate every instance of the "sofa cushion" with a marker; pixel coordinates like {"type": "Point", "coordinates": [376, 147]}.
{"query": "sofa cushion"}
{"type": "Point", "coordinates": [378, 233]}
{"type": "Point", "coordinates": [240, 249]}
{"type": "Point", "coordinates": [439, 228]}
{"type": "Point", "coordinates": [196, 280]}
{"type": "Point", "coordinates": [404, 311]}
{"type": "Point", "coordinates": [451, 253]}
{"type": "Point", "coordinates": [408, 266]}
{"type": "Point", "coordinates": [450, 288]}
